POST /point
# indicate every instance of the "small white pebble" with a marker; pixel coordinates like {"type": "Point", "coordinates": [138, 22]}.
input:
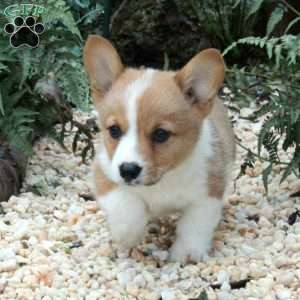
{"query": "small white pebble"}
{"type": "Point", "coordinates": [245, 112]}
{"type": "Point", "coordinates": [248, 250]}
{"type": "Point", "coordinates": [75, 209]}
{"type": "Point", "coordinates": [139, 280]}
{"type": "Point", "coordinates": [124, 278]}
{"type": "Point", "coordinates": [60, 215]}
{"type": "Point", "coordinates": [8, 265]}
{"type": "Point", "coordinates": [22, 230]}
{"type": "Point", "coordinates": [7, 253]}
{"type": "Point", "coordinates": [283, 294]}
{"type": "Point", "coordinates": [168, 294]}
{"type": "Point", "coordinates": [3, 283]}
{"type": "Point", "coordinates": [222, 295]}
{"type": "Point", "coordinates": [222, 277]}
{"type": "Point", "coordinates": [161, 255]}
{"type": "Point", "coordinates": [285, 278]}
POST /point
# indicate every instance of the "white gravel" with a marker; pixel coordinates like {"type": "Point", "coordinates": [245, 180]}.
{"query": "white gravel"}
{"type": "Point", "coordinates": [57, 245]}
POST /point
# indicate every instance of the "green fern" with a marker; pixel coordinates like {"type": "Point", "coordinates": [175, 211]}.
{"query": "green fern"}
{"type": "Point", "coordinates": [1, 105]}
{"type": "Point", "coordinates": [280, 87]}
{"type": "Point", "coordinates": [58, 12]}
{"type": "Point", "coordinates": [254, 7]}
{"type": "Point", "coordinates": [276, 92]}
{"type": "Point", "coordinates": [59, 54]}
{"type": "Point", "coordinates": [16, 128]}
{"type": "Point", "coordinates": [285, 49]}
{"type": "Point", "coordinates": [274, 19]}
{"type": "Point", "coordinates": [291, 24]}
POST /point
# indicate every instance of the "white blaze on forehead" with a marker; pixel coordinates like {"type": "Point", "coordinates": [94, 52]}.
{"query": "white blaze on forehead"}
{"type": "Point", "coordinates": [128, 150]}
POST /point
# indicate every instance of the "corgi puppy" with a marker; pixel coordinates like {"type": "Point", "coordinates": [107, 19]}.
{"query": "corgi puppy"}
{"type": "Point", "coordinates": [167, 146]}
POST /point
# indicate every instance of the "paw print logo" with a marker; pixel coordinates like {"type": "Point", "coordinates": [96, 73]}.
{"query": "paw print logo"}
{"type": "Point", "coordinates": [24, 32]}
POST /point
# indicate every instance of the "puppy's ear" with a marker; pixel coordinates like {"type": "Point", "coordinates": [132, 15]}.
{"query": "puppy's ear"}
{"type": "Point", "coordinates": [201, 78]}
{"type": "Point", "coordinates": [102, 62]}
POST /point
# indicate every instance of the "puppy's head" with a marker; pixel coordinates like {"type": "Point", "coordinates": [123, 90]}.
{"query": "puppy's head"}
{"type": "Point", "coordinates": [150, 120]}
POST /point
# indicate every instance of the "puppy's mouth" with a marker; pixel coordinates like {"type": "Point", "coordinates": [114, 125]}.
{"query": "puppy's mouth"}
{"type": "Point", "coordinates": [141, 182]}
{"type": "Point", "coordinates": [150, 183]}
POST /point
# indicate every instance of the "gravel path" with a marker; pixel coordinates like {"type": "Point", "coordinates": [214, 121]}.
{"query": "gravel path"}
{"type": "Point", "coordinates": [56, 245]}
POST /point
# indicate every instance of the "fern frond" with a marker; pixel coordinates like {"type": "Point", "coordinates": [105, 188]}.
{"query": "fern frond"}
{"type": "Point", "coordinates": [291, 24]}
{"type": "Point", "coordinates": [1, 105]}
{"type": "Point", "coordinates": [293, 166]}
{"type": "Point", "coordinates": [58, 11]}
{"type": "Point", "coordinates": [25, 60]}
{"type": "Point", "coordinates": [264, 132]}
{"type": "Point", "coordinates": [265, 175]}
{"type": "Point", "coordinates": [275, 47]}
{"type": "Point", "coordinates": [274, 19]}
{"type": "Point", "coordinates": [254, 7]}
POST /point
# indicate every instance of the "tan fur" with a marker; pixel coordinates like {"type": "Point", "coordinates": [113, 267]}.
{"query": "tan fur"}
{"type": "Point", "coordinates": [163, 106]}
{"type": "Point", "coordinates": [224, 147]}
{"type": "Point", "coordinates": [201, 78]}
{"type": "Point", "coordinates": [101, 183]}
{"type": "Point", "coordinates": [102, 63]}
{"type": "Point", "coordinates": [112, 108]}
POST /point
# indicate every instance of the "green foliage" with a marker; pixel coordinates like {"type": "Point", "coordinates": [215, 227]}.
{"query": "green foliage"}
{"type": "Point", "coordinates": [89, 16]}
{"type": "Point", "coordinates": [285, 49]}
{"type": "Point", "coordinates": [276, 92]}
{"type": "Point", "coordinates": [232, 20]}
{"type": "Point", "coordinates": [254, 7]}
{"type": "Point", "coordinates": [225, 21]}
{"type": "Point", "coordinates": [58, 13]}
{"type": "Point", "coordinates": [275, 18]}
{"type": "Point", "coordinates": [29, 109]}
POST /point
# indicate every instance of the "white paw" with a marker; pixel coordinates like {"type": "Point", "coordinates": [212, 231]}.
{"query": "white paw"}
{"type": "Point", "coordinates": [126, 237]}
{"type": "Point", "coordinates": [188, 252]}
{"type": "Point", "coordinates": [127, 217]}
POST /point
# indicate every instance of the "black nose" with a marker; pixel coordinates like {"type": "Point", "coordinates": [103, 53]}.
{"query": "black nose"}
{"type": "Point", "coordinates": [129, 171]}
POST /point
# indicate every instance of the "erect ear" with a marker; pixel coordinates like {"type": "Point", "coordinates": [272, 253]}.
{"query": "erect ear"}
{"type": "Point", "coordinates": [102, 62]}
{"type": "Point", "coordinates": [201, 78]}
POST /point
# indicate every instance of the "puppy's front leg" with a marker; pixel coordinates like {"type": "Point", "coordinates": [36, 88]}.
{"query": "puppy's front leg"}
{"type": "Point", "coordinates": [127, 217]}
{"type": "Point", "coordinates": [195, 230]}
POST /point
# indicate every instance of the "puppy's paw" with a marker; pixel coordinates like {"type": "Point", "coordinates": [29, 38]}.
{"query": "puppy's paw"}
{"type": "Point", "coordinates": [188, 252]}
{"type": "Point", "coordinates": [127, 217]}
{"type": "Point", "coordinates": [126, 238]}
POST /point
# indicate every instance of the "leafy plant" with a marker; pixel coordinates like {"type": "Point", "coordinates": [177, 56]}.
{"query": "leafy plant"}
{"type": "Point", "coordinates": [39, 86]}
{"type": "Point", "coordinates": [276, 91]}
{"type": "Point", "coordinates": [227, 21]}
{"type": "Point", "coordinates": [285, 48]}
{"type": "Point", "coordinates": [223, 21]}
{"type": "Point", "coordinates": [89, 15]}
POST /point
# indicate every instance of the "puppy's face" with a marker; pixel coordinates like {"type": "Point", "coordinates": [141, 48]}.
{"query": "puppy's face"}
{"type": "Point", "coordinates": [150, 120]}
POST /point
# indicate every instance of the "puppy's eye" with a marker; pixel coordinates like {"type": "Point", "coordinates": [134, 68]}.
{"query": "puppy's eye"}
{"type": "Point", "coordinates": [160, 135]}
{"type": "Point", "coordinates": [115, 131]}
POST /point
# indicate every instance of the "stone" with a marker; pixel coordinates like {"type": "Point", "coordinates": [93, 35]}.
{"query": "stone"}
{"type": "Point", "coordinates": [8, 265]}
{"type": "Point", "coordinates": [284, 294]}
{"type": "Point", "coordinates": [168, 294]}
